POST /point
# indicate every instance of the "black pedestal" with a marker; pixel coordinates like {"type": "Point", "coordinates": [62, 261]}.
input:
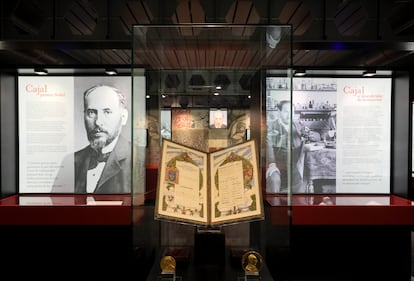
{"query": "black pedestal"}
{"type": "Point", "coordinates": [209, 248]}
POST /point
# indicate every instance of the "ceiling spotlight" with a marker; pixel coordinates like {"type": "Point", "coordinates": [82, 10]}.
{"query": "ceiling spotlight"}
{"type": "Point", "coordinates": [111, 71]}
{"type": "Point", "coordinates": [369, 73]}
{"type": "Point", "coordinates": [40, 71]}
{"type": "Point", "coordinates": [300, 72]}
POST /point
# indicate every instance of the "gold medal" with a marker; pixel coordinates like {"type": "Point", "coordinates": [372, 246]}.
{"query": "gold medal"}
{"type": "Point", "coordinates": [167, 264]}
{"type": "Point", "coordinates": [252, 262]}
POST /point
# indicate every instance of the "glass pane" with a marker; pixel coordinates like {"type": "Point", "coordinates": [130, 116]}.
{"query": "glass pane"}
{"type": "Point", "coordinates": [195, 77]}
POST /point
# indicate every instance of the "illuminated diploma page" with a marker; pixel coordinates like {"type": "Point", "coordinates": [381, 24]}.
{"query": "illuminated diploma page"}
{"type": "Point", "coordinates": [187, 188]}
{"type": "Point", "coordinates": [230, 182]}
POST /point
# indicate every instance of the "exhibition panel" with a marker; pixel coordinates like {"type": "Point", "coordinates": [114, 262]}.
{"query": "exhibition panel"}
{"type": "Point", "coordinates": [341, 134]}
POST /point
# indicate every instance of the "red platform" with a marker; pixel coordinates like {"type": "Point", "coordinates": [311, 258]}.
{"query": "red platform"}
{"type": "Point", "coordinates": [65, 209]}
{"type": "Point", "coordinates": [341, 210]}
{"type": "Point", "coordinates": [86, 209]}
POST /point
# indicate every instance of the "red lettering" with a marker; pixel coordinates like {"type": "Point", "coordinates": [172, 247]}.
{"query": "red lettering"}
{"type": "Point", "coordinates": [36, 88]}
{"type": "Point", "coordinates": [355, 91]}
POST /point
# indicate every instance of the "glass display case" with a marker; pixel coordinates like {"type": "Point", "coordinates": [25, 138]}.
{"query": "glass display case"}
{"type": "Point", "coordinates": [197, 76]}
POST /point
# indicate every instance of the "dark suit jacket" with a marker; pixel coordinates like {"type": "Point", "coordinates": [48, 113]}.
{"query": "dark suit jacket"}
{"type": "Point", "coordinates": [223, 126]}
{"type": "Point", "coordinates": [116, 175]}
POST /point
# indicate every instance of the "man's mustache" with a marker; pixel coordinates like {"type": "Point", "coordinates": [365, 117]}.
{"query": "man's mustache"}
{"type": "Point", "coordinates": [98, 130]}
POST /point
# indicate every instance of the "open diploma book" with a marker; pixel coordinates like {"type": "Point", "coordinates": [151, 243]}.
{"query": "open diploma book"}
{"type": "Point", "coordinates": [208, 188]}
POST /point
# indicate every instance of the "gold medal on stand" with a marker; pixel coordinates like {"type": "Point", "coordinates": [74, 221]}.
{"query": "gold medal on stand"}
{"type": "Point", "coordinates": [168, 265]}
{"type": "Point", "coordinates": [252, 263]}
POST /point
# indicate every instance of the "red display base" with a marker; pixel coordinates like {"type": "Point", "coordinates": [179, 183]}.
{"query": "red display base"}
{"type": "Point", "coordinates": [57, 209]}
{"type": "Point", "coordinates": [341, 210]}
{"type": "Point", "coordinates": [110, 209]}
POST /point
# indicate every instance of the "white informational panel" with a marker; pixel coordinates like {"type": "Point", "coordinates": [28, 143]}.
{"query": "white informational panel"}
{"type": "Point", "coordinates": [45, 130]}
{"type": "Point", "coordinates": [341, 135]}
{"type": "Point", "coordinates": [364, 135]}
{"type": "Point", "coordinates": [52, 128]}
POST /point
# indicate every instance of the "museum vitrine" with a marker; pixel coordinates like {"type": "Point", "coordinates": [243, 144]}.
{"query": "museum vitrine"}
{"type": "Point", "coordinates": [204, 95]}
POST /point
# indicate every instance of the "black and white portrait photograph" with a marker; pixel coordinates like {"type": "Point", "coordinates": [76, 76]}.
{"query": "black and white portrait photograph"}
{"type": "Point", "coordinates": [101, 160]}
{"type": "Point", "coordinates": [218, 118]}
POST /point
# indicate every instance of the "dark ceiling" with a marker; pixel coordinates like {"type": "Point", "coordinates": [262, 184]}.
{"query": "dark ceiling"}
{"type": "Point", "coordinates": [326, 34]}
